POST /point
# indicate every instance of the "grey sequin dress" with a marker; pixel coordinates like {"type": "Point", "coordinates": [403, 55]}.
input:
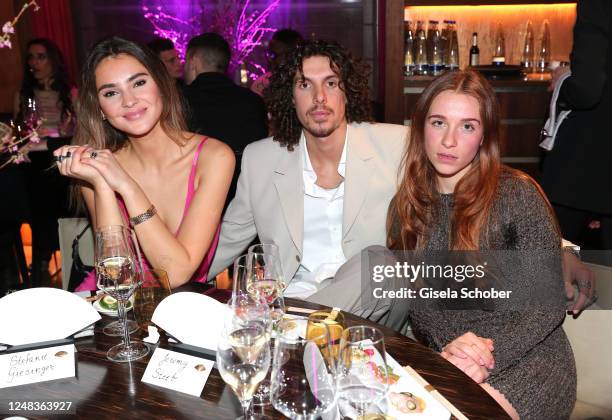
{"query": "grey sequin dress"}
{"type": "Point", "coordinates": [534, 363]}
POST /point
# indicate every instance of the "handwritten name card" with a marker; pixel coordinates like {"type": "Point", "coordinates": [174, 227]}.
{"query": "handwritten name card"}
{"type": "Point", "coordinates": [177, 371]}
{"type": "Point", "coordinates": [32, 366]}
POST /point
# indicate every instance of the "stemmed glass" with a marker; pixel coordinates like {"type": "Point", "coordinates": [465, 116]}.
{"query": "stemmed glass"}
{"type": "Point", "coordinates": [303, 384]}
{"type": "Point", "coordinates": [30, 114]}
{"type": "Point", "coordinates": [115, 328]}
{"type": "Point", "coordinates": [243, 359]}
{"type": "Point", "coordinates": [265, 278]}
{"type": "Point", "coordinates": [269, 249]}
{"type": "Point", "coordinates": [362, 375]}
{"type": "Point", "coordinates": [118, 276]}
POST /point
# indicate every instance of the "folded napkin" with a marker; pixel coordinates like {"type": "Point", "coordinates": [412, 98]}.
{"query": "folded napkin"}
{"type": "Point", "coordinates": [43, 314]}
{"type": "Point", "coordinates": [192, 318]}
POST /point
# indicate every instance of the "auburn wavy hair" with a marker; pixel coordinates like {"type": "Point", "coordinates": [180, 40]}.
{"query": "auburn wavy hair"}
{"type": "Point", "coordinates": [353, 73]}
{"type": "Point", "coordinates": [474, 194]}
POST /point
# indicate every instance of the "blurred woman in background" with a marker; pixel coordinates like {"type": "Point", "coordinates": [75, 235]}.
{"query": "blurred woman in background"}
{"type": "Point", "coordinates": [46, 94]}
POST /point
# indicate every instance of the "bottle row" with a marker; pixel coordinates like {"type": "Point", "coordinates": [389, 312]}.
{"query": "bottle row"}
{"type": "Point", "coordinates": [433, 51]}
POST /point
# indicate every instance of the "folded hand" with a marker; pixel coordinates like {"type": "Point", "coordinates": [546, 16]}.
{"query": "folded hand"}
{"type": "Point", "coordinates": [471, 346]}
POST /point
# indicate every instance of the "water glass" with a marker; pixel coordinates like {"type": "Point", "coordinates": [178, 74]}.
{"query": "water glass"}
{"type": "Point", "coordinates": [362, 376]}
{"type": "Point", "coordinates": [154, 288]}
{"type": "Point", "coordinates": [303, 379]}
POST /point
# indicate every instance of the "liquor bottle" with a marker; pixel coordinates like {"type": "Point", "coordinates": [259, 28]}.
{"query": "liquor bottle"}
{"type": "Point", "coordinates": [474, 51]}
{"type": "Point", "coordinates": [420, 51]}
{"type": "Point", "coordinates": [499, 53]}
{"type": "Point", "coordinates": [408, 49]}
{"type": "Point", "coordinates": [445, 35]}
{"type": "Point", "coordinates": [434, 48]}
{"type": "Point", "coordinates": [527, 59]}
{"type": "Point", "coordinates": [453, 48]}
{"type": "Point", "coordinates": [544, 53]}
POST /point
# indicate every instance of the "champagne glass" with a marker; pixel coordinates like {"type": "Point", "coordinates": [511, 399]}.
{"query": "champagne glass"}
{"type": "Point", "coordinates": [154, 288]}
{"type": "Point", "coordinates": [243, 359]}
{"type": "Point", "coordinates": [362, 375]}
{"type": "Point", "coordinates": [118, 276]}
{"type": "Point", "coordinates": [303, 384]}
{"type": "Point", "coordinates": [115, 328]}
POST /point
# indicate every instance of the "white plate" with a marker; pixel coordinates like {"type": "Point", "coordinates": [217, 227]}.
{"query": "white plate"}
{"type": "Point", "coordinates": [107, 312]}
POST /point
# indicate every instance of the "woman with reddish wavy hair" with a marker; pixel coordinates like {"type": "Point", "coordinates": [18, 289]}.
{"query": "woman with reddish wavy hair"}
{"type": "Point", "coordinates": [456, 195]}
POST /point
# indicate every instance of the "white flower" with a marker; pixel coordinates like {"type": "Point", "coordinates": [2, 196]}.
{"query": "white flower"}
{"type": "Point", "coordinates": [35, 138]}
{"type": "Point", "coordinates": [5, 43]}
{"type": "Point", "coordinates": [19, 158]}
{"type": "Point", "coordinates": [8, 28]}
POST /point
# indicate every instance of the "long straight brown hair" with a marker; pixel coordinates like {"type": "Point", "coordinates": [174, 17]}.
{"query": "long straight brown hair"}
{"type": "Point", "coordinates": [474, 194]}
{"type": "Point", "coordinates": [92, 129]}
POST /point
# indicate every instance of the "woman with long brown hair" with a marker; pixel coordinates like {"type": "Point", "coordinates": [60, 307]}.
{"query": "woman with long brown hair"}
{"type": "Point", "coordinates": [455, 195]}
{"type": "Point", "coordinates": [136, 164]}
{"type": "Point", "coordinates": [47, 93]}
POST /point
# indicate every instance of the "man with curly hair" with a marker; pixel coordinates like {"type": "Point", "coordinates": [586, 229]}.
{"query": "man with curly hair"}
{"type": "Point", "coordinates": [319, 188]}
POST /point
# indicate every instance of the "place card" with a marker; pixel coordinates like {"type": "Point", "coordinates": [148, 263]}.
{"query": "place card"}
{"type": "Point", "coordinates": [40, 365]}
{"type": "Point", "coordinates": [177, 371]}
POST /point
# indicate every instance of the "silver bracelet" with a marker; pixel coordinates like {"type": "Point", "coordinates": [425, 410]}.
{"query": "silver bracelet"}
{"type": "Point", "coordinates": [143, 217]}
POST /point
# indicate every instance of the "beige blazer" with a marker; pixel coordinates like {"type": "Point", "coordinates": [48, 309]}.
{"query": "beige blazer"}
{"type": "Point", "coordinates": [269, 199]}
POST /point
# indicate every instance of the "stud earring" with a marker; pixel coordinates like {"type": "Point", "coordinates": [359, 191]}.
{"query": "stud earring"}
{"type": "Point", "coordinates": [103, 116]}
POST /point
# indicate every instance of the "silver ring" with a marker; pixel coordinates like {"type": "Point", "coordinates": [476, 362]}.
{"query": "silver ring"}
{"type": "Point", "coordinates": [59, 158]}
{"type": "Point", "coordinates": [93, 155]}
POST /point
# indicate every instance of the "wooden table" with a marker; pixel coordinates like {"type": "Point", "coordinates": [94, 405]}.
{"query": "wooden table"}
{"type": "Point", "coordinates": [103, 389]}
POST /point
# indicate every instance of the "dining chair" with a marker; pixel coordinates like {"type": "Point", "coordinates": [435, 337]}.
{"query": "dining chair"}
{"type": "Point", "coordinates": [590, 336]}
{"type": "Point", "coordinates": [69, 228]}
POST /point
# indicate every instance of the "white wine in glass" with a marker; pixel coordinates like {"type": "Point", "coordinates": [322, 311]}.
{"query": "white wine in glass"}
{"type": "Point", "coordinates": [118, 276]}
{"type": "Point", "coordinates": [243, 359]}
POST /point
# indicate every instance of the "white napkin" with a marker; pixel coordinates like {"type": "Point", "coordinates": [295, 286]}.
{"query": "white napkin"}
{"type": "Point", "coordinates": [192, 318]}
{"type": "Point", "coordinates": [43, 314]}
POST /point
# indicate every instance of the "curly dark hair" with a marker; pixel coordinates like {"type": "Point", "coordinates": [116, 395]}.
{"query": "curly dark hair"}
{"type": "Point", "coordinates": [353, 73]}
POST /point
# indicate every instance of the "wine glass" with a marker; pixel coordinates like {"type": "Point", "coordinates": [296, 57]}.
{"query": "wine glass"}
{"type": "Point", "coordinates": [303, 377]}
{"type": "Point", "coordinates": [115, 328]}
{"type": "Point", "coordinates": [264, 279]}
{"type": "Point", "coordinates": [362, 375]}
{"type": "Point", "coordinates": [118, 276]}
{"type": "Point", "coordinates": [154, 288]}
{"type": "Point", "coordinates": [30, 114]}
{"type": "Point", "coordinates": [243, 359]}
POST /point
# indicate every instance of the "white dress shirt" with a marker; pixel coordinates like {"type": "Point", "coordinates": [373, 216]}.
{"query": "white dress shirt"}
{"type": "Point", "coordinates": [322, 245]}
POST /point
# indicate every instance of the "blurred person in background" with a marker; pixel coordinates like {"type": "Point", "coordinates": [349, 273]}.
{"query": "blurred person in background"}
{"type": "Point", "coordinates": [282, 41]}
{"type": "Point", "coordinates": [164, 48]}
{"type": "Point", "coordinates": [576, 172]}
{"type": "Point", "coordinates": [46, 93]}
{"type": "Point", "coordinates": [217, 106]}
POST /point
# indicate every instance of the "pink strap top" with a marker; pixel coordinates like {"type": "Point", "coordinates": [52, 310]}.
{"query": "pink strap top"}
{"type": "Point", "coordinates": [201, 274]}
